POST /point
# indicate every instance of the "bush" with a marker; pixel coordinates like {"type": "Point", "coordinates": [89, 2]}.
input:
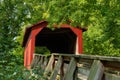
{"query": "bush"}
{"type": "Point", "coordinates": [21, 73]}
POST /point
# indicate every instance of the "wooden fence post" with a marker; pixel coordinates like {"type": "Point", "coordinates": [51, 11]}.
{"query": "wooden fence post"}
{"type": "Point", "coordinates": [49, 65]}
{"type": "Point", "coordinates": [56, 69]}
{"type": "Point", "coordinates": [33, 62]}
{"type": "Point", "coordinates": [96, 71]}
{"type": "Point", "coordinates": [62, 70]}
{"type": "Point", "coordinates": [70, 70]}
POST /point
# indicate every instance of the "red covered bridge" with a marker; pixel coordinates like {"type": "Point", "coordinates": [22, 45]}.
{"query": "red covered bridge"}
{"type": "Point", "coordinates": [66, 39]}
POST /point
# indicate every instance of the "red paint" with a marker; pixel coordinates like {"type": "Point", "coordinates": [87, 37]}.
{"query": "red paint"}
{"type": "Point", "coordinates": [79, 37]}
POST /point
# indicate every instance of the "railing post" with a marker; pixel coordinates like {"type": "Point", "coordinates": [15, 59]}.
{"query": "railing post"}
{"type": "Point", "coordinates": [96, 71]}
{"type": "Point", "coordinates": [35, 61]}
{"type": "Point", "coordinates": [70, 70]}
{"type": "Point", "coordinates": [49, 65]}
{"type": "Point", "coordinates": [56, 69]}
{"type": "Point", "coordinates": [62, 70]}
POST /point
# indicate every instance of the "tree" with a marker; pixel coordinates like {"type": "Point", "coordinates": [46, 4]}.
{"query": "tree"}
{"type": "Point", "coordinates": [12, 16]}
{"type": "Point", "coordinates": [103, 35]}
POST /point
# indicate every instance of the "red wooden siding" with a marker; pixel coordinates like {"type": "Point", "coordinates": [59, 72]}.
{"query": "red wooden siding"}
{"type": "Point", "coordinates": [29, 48]}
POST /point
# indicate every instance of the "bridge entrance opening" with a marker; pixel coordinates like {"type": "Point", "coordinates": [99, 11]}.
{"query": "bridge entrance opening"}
{"type": "Point", "coordinates": [60, 40]}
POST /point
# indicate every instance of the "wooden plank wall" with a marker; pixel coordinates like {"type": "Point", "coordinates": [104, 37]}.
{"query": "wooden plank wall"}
{"type": "Point", "coordinates": [78, 67]}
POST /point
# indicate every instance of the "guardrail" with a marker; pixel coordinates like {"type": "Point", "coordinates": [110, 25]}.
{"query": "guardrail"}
{"type": "Point", "coordinates": [78, 67]}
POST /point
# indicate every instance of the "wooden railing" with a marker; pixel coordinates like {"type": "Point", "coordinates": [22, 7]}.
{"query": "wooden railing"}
{"type": "Point", "coordinates": [78, 67]}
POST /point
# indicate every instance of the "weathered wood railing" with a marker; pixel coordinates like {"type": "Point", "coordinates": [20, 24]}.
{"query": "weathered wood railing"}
{"type": "Point", "coordinates": [78, 67]}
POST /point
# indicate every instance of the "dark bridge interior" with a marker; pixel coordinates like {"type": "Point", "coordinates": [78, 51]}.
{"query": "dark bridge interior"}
{"type": "Point", "coordinates": [61, 40]}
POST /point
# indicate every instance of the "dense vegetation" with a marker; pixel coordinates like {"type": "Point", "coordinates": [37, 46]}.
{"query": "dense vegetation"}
{"type": "Point", "coordinates": [102, 17]}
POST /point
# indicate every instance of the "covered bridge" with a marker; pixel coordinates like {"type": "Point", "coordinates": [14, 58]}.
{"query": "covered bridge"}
{"type": "Point", "coordinates": [65, 39]}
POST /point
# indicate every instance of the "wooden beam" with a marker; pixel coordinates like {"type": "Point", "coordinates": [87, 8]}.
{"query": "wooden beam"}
{"type": "Point", "coordinates": [70, 70]}
{"type": "Point", "coordinates": [41, 61]}
{"type": "Point", "coordinates": [62, 70]}
{"type": "Point", "coordinates": [91, 57]}
{"type": "Point", "coordinates": [33, 62]}
{"type": "Point", "coordinates": [96, 71]}
{"type": "Point", "coordinates": [56, 69]}
{"type": "Point", "coordinates": [49, 65]}
{"type": "Point", "coordinates": [109, 76]}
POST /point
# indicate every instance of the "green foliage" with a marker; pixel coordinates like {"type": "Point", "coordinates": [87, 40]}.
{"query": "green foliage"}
{"type": "Point", "coordinates": [37, 74]}
{"type": "Point", "coordinates": [102, 37]}
{"type": "Point", "coordinates": [9, 65]}
{"type": "Point", "coordinates": [42, 50]}
{"type": "Point", "coordinates": [98, 43]}
{"type": "Point", "coordinates": [18, 72]}
{"type": "Point", "coordinates": [12, 16]}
